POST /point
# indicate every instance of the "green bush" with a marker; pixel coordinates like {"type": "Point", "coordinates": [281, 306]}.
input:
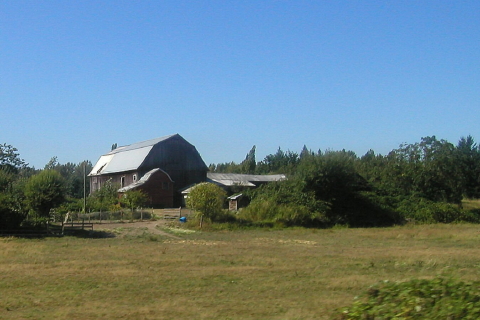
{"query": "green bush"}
{"type": "Point", "coordinates": [44, 191]}
{"type": "Point", "coordinates": [363, 209]}
{"type": "Point", "coordinates": [260, 210]}
{"type": "Point", "coordinates": [425, 211]}
{"type": "Point", "coordinates": [207, 200]}
{"type": "Point", "coordinates": [285, 202]}
{"type": "Point", "coordinates": [286, 214]}
{"type": "Point", "coordinates": [417, 299]}
{"type": "Point", "coordinates": [9, 218]}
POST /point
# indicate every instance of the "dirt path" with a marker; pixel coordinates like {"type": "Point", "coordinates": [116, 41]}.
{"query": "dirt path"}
{"type": "Point", "coordinates": [151, 226]}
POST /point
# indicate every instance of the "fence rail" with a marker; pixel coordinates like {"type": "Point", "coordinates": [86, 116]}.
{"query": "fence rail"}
{"type": "Point", "coordinates": [68, 226]}
{"type": "Point", "coordinates": [172, 213]}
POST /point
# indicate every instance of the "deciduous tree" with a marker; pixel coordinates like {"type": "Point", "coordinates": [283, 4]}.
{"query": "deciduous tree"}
{"type": "Point", "coordinates": [45, 191]}
{"type": "Point", "coordinates": [10, 159]}
{"type": "Point", "coordinates": [104, 198]}
{"type": "Point", "coordinates": [134, 199]}
{"type": "Point", "coordinates": [207, 200]}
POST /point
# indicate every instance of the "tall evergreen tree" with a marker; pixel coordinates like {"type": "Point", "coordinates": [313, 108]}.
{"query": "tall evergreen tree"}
{"type": "Point", "coordinates": [468, 157]}
{"type": "Point", "coordinates": [249, 164]}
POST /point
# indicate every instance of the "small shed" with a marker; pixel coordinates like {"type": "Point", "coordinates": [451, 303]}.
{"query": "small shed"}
{"type": "Point", "coordinates": [233, 202]}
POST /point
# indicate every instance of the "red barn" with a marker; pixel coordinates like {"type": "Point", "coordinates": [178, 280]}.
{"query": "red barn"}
{"type": "Point", "coordinates": [159, 167]}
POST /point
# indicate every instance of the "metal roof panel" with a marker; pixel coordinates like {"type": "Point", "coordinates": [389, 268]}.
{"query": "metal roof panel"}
{"type": "Point", "coordinates": [138, 145]}
{"type": "Point", "coordinates": [245, 177]}
{"type": "Point", "coordinates": [127, 161]}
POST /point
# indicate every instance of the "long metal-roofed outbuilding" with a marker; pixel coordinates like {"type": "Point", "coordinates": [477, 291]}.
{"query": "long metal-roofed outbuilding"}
{"type": "Point", "coordinates": [244, 180]}
{"type": "Point", "coordinates": [234, 182]}
{"type": "Point", "coordinates": [159, 167]}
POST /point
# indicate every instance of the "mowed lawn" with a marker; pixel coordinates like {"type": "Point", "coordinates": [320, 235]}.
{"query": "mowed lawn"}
{"type": "Point", "coordinates": [254, 274]}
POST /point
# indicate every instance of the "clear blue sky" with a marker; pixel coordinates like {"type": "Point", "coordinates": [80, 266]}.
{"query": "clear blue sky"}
{"type": "Point", "coordinates": [78, 76]}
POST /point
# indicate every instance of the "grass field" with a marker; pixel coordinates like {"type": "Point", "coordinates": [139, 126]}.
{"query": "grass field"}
{"type": "Point", "coordinates": [254, 274]}
{"type": "Point", "coordinates": [469, 204]}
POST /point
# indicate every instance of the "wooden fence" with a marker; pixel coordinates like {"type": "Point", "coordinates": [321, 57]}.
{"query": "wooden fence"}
{"type": "Point", "coordinates": [49, 229]}
{"type": "Point", "coordinates": [172, 213]}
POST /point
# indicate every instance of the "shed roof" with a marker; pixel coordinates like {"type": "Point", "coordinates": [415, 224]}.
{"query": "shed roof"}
{"type": "Point", "coordinates": [142, 180]}
{"type": "Point", "coordinates": [235, 196]}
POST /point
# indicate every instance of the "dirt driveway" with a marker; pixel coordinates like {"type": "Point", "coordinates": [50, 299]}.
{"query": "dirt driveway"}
{"type": "Point", "coordinates": [136, 227]}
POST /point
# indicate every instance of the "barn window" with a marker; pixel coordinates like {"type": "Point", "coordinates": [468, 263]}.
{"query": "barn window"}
{"type": "Point", "coordinates": [165, 185]}
{"type": "Point", "coordinates": [122, 182]}
{"type": "Point", "coordinates": [134, 177]}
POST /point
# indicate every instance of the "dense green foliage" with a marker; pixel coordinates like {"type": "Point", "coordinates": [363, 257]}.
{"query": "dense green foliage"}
{"type": "Point", "coordinates": [207, 199]}
{"type": "Point", "coordinates": [10, 218]}
{"type": "Point", "coordinates": [29, 193]}
{"type": "Point", "coordinates": [73, 174]}
{"type": "Point", "coordinates": [105, 198]}
{"type": "Point", "coordinates": [45, 191]}
{"type": "Point", "coordinates": [418, 299]}
{"type": "Point", "coordinates": [133, 199]}
{"type": "Point", "coordinates": [287, 202]}
{"type": "Point", "coordinates": [13, 174]}
{"type": "Point", "coordinates": [423, 182]}
{"type": "Point", "coordinates": [10, 160]}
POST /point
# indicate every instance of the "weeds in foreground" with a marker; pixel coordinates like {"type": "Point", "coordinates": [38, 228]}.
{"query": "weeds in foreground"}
{"type": "Point", "coordinates": [438, 298]}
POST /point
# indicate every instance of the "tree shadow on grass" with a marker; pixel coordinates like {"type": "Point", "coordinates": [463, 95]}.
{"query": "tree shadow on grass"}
{"type": "Point", "coordinates": [42, 233]}
{"type": "Point", "coordinates": [90, 234]}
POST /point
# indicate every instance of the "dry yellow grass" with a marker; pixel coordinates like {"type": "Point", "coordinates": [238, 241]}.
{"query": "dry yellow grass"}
{"type": "Point", "coordinates": [255, 274]}
{"type": "Point", "coordinates": [469, 204]}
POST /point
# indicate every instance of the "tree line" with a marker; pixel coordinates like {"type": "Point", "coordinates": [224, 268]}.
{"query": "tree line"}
{"type": "Point", "coordinates": [423, 182]}
{"type": "Point", "coordinates": [31, 196]}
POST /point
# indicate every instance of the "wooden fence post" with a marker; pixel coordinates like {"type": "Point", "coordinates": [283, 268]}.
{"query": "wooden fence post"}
{"type": "Point", "coordinates": [65, 221]}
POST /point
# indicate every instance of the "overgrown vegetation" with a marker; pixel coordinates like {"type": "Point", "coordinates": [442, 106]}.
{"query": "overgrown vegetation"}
{"type": "Point", "coordinates": [438, 298]}
{"type": "Point", "coordinates": [423, 182]}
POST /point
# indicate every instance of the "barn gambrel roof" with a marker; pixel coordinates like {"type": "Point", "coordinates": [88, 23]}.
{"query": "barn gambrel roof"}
{"type": "Point", "coordinates": [129, 157]}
